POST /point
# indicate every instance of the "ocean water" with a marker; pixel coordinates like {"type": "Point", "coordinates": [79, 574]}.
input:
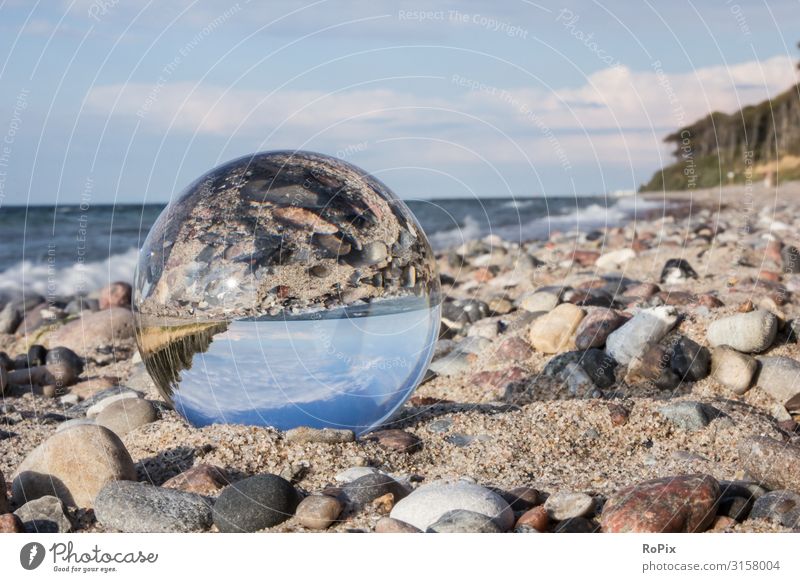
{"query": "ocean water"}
{"type": "Point", "coordinates": [68, 249]}
{"type": "Point", "coordinates": [349, 368]}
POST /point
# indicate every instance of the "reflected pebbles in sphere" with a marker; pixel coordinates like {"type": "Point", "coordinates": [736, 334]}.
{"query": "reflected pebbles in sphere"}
{"type": "Point", "coordinates": [287, 289]}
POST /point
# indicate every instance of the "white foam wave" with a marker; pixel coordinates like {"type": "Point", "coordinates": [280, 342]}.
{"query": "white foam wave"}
{"type": "Point", "coordinates": [45, 279]}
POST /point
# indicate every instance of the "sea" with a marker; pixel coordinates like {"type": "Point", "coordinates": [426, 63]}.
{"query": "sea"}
{"type": "Point", "coordinates": [67, 250]}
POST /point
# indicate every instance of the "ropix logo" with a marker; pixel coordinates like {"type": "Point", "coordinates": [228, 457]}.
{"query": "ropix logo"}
{"type": "Point", "coordinates": [31, 555]}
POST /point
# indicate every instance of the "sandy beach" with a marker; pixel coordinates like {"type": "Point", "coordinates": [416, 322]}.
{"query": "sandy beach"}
{"type": "Point", "coordinates": [497, 409]}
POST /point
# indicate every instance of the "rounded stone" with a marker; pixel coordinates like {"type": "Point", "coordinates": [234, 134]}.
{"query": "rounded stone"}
{"type": "Point", "coordinates": [780, 506]}
{"type": "Point", "coordinates": [73, 465]}
{"type": "Point", "coordinates": [390, 525]}
{"type": "Point", "coordinates": [745, 332]}
{"type": "Point", "coordinates": [44, 515]}
{"type": "Point", "coordinates": [733, 369]}
{"type": "Point", "coordinates": [424, 506]}
{"type": "Point", "coordinates": [255, 503]}
{"type": "Point", "coordinates": [779, 377]}
{"type": "Point", "coordinates": [132, 507]}
{"type": "Point", "coordinates": [318, 511]}
{"type": "Point", "coordinates": [463, 521]}
{"type": "Point", "coordinates": [366, 489]}
{"type": "Point", "coordinates": [774, 464]}
{"type": "Point", "coordinates": [536, 518]}
{"type": "Point", "coordinates": [127, 414]}
{"type": "Point", "coordinates": [202, 479]}
{"type": "Point", "coordinates": [115, 295]}
{"type": "Point", "coordinates": [637, 335]}
{"type": "Point", "coordinates": [564, 505]}
{"type": "Point", "coordinates": [94, 330]}
{"type": "Point", "coordinates": [553, 332]}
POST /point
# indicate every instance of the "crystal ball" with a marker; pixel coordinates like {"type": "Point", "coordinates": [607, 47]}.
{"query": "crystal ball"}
{"type": "Point", "coordinates": [287, 289]}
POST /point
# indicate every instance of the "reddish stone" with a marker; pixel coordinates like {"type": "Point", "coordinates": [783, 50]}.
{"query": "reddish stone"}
{"type": "Point", "coordinates": [390, 525]}
{"type": "Point", "coordinates": [686, 503]}
{"type": "Point", "coordinates": [642, 290]}
{"type": "Point", "coordinates": [203, 479]}
{"type": "Point", "coordinates": [115, 295]}
{"type": "Point", "coordinates": [619, 414]}
{"type": "Point", "coordinates": [708, 300]}
{"type": "Point", "coordinates": [396, 440]}
{"type": "Point", "coordinates": [596, 327]}
{"type": "Point", "coordinates": [514, 348]}
{"type": "Point", "coordinates": [10, 523]}
{"type": "Point", "coordinates": [770, 276]}
{"type": "Point", "coordinates": [483, 275]}
{"type": "Point", "coordinates": [535, 518]}
{"type": "Point", "coordinates": [496, 381]}
{"type": "Point", "coordinates": [585, 258]}
{"type": "Point", "coordinates": [746, 307]}
{"type": "Point", "coordinates": [773, 251]}
{"type": "Point", "coordinates": [723, 523]}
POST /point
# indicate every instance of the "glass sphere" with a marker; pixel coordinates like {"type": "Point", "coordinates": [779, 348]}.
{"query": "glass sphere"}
{"type": "Point", "coordinates": [287, 289]}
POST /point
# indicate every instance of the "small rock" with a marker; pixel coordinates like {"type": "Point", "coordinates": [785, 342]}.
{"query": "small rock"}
{"type": "Point", "coordinates": [390, 525]}
{"type": "Point", "coordinates": [44, 515]}
{"type": "Point", "coordinates": [318, 511]}
{"type": "Point", "coordinates": [132, 507]}
{"type": "Point", "coordinates": [95, 409]}
{"type": "Point", "coordinates": [452, 364]}
{"type": "Point", "coordinates": [539, 301]}
{"type": "Point", "coordinates": [463, 521]}
{"type": "Point", "coordinates": [745, 332]}
{"type": "Point", "coordinates": [552, 333]}
{"type": "Point", "coordinates": [645, 329]}
{"type": "Point", "coordinates": [780, 506]}
{"type": "Point", "coordinates": [618, 413]}
{"type": "Point", "coordinates": [600, 367]}
{"type": "Point", "coordinates": [73, 465]}
{"type": "Point", "coordinates": [37, 355]}
{"type": "Point", "coordinates": [203, 479]}
{"type": "Point", "coordinates": [93, 330]}
{"type": "Point", "coordinates": [536, 518]}
{"type": "Point", "coordinates": [354, 473]}
{"type": "Point", "coordinates": [689, 360]}
{"type": "Point", "coordinates": [115, 295]}
{"type": "Point", "coordinates": [255, 503]}
{"type": "Point", "coordinates": [306, 434]}
{"type": "Point", "coordinates": [689, 415]}
{"type": "Point", "coordinates": [595, 328]}
{"type": "Point", "coordinates": [396, 440]}
{"type": "Point", "coordinates": [677, 271]}
{"type": "Point", "coordinates": [641, 290]}
{"type": "Point", "coordinates": [779, 377]}
{"type": "Point", "coordinates": [127, 414]}
{"type": "Point", "coordinates": [426, 504]}
{"type": "Point", "coordinates": [564, 505]}
{"type": "Point", "coordinates": [732, 369]}
{"type": "Point", "coordinates": [93, 396]}
{"type": "Point", "coordinates": [366, 489]}
{"type": "Point", "coordinates": [514, 348]}
{"type": "Point", "coordinates": [10, 523]}
{"type": "Point", "coordinates": [384, 503]}
{"type": "Point", "coordinates": [669, 505]}
{"type": "Point", "coordinates": [521, 498]}
{"type": "Point", "coordinates": [615, 259]}
{"type": "Point", "coordinates": [772, 463]}
{"type": "Point", "coordinates": [722, 523]}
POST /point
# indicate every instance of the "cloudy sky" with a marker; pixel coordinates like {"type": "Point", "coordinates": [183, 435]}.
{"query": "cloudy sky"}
{"type": "Point", "coordinates": [129, 100]}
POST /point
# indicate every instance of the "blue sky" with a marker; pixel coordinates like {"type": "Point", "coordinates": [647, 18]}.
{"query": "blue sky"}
{"type": "Point", "coordinates": [129, 100]}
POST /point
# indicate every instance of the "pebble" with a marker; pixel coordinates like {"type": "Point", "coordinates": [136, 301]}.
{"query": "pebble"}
{"type": "Point", "coordinates": [354, 473]}
{"type": "Point", "coordinates": [95, 409]}
{"type": "Point", "coordinates": [641, 290]}
{"type": "Point", "coordinates": [452, 364]}
{"type": "Point", "coordinates": [425, 505]}
{"type": "Point", "coordinates": [595, 328]}
{"type": "Point", "coordinates": [615, 259]}
{"type": "Point", "coordinates": [684, 503]}
{"type": "Point", "coordinates": [774, 464]}
{"type": "Point", "coordinates": [514, 348]}
{"type": "Point", "coordinates": [779, 506]}
{"type": "Point", "coordinates": [318, 511]}
{"type": "Point", "coordinates": [536, 518]}
{"type": "Point", "coordinates": [520, 498]}
{"type": "Point", "coordinates": [94, 329]}
{"type": "Point", "coordinates": [368, 488]}
{"type": "Point", "coordinates": [10, 523]}
{"type": "Point", "coordinates": [645, 329]}
{"type": "Point", "coordinates": [600, 367]}
{"type": "Point", "coordinates": [618, 414]}
{"type": "Point", "coordinates": [390, 525]}
{"type": "Point", "coordinates": [73, 465]}
{"type": "Point", "coordinates": [689, 360]}
{"type": "Point", "coordinates": [745, 332]}
{"type": "Point", "coordinates": [255, 503]}
{"type": "Point", "coordinates": [463, 521]}
{"type": "Point", "coordinates": [779, 377]}
{"type": "Point", "coordinates": [306, 434]}
{"type": "Point", "coordinates": [44, 515]}
{"type": "Point", "coordinates": [552, 333]}
{"type": "Point", "coordinates": [115, 295]}
{"type": "Point", "coordinates": [203, 479]}
{"type": "Point", "coordinates": [539, 301]}
{"type": "Point", "coordinates": [122, 416]}
{"type": "Point", "coordinates": [396, 440]}
{"type": "Point", "coordinates": [733, 369]}
{"type": "Point", "coordinates": [565, 505]}
{"type": "Point", "coordinates": [37, 355]}
{"type": "Point", "coordinates": [677, 271]}
{"type": "Point", "coordinates": [132, 507]}
{"type": "Point", "coordinates": [689, 415]}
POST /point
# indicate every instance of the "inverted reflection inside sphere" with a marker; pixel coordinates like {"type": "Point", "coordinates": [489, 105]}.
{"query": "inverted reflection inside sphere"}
{"type": "Point", "coordinates": [287, 289]}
